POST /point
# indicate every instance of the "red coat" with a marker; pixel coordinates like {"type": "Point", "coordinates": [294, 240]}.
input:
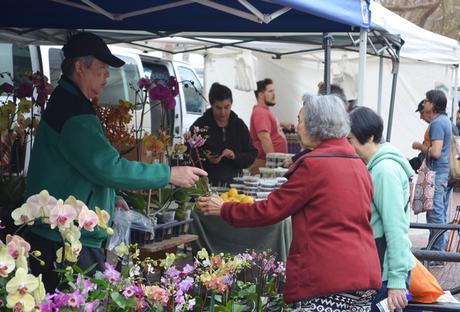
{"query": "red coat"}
{"type": "Point", "coordinates": [332, 249]}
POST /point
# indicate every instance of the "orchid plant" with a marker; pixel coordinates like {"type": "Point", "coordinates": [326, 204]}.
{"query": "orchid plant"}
{"type": "Point", "coordinates": [22, 291]}
{"type": "Point", "coordinates": [211, 283]}
{"type": "Point", "coordinates": [21, 100]}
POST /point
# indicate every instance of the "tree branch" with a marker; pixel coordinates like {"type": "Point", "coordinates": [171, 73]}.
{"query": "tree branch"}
{"type": "Point", "coordinates": [427, 5]}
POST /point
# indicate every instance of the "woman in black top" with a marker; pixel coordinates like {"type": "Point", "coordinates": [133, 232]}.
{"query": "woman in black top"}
{"type": "Point", "coordinates": [229, 144]}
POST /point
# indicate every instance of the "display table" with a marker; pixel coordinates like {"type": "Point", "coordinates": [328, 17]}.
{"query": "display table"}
{"type": "Point", "coordinates": [158, 250]}
{"type": "Point", "coordinates": [217, 236]}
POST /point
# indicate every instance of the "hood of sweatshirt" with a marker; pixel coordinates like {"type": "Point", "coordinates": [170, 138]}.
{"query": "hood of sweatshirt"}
{"type": "Point", "coordinates": [388, 151]}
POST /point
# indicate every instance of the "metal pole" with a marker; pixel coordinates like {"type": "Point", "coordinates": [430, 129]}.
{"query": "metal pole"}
{"type": "Point", "coordinates": [362, 65]}
{"type": "Point", "coordinates": [394, 71]}
{"type": "Point", "coordinates": [327, 44]}
{"type": "Point", "coordinates": [379, 94]}
{"type": "Point", "coordinates": [455, 106]}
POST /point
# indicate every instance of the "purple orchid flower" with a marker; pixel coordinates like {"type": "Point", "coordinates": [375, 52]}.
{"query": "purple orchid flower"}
{"type": "Point", "coordinates": [111, 274]}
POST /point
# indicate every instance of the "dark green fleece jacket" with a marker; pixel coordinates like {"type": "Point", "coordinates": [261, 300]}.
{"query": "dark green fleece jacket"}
{"type": "Point", "coordinates": [72, 156]}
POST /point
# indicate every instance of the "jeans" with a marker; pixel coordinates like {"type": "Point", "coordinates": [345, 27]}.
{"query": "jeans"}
{"type": "Point", "coordinates": [440, 205]}
{"type": "Point", "coordinates": [383, 293]}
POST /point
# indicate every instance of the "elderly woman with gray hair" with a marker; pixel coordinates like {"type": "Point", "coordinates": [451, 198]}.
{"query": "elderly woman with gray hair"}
{"type": "Point", "coordinates": [333, 262]}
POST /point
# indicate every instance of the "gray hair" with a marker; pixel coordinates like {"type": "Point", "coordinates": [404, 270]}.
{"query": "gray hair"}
{"type": "Point", "coordinates": [325, 116]}
{"type": "Point", "coordinates": [68, 64]}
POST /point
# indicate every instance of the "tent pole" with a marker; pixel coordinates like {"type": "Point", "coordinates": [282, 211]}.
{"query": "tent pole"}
{"type": "Point", "coordinates": [379, 95]}
{"type": "Point", "coordinates": [327, 44]}
{"type": "Point", "coordinates": [455, 103]}
{"type": "Point", "coordinates": [394, 71]}
{"type": "Point", "coordinates": [362, 65]}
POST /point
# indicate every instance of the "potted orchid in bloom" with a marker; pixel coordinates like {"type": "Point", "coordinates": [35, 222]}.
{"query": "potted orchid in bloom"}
{"type": "Point", "coordinates": [68, 217]}
{"type": "Point", "coordinates": [211, 284]}
{"type": "Point", "coordinates": [20, 290]}
{"type": "Point", "coordinates": [21, 100]}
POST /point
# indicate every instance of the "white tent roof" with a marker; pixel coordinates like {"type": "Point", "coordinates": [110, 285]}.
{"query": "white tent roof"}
{"type": "Point", "coordinates": [420, 44]}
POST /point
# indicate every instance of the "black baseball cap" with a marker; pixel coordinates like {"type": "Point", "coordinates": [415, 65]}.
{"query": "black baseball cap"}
{"type": "Point", "coordinates": [420, 107]}
{"type": "Point", "coordinates": [85, 44]}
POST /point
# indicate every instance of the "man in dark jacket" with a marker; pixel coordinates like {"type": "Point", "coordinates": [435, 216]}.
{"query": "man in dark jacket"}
{"type": "Point", "coordinates": [229, 145]}
{"type": "Point", "coordinates": [72, 156]}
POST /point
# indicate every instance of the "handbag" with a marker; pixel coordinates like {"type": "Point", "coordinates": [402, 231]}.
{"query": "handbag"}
{"type": "Point", "coordinates": [454, 161]}
{"type": "Point", "coordinates": [424, 189]}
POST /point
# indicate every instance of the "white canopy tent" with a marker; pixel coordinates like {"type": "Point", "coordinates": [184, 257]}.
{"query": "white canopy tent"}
{"type": "Point", "coordinates": [427, 61]}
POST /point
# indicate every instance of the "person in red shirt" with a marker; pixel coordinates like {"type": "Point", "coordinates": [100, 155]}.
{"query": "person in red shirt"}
{"type": "Point", "coordinates": [266, 131]}
{"type": "Point", "coordinates": [333, 262]}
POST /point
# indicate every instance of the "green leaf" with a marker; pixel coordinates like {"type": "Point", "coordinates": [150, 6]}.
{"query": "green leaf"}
{"type": "Point", "coordinates": [118, 299]}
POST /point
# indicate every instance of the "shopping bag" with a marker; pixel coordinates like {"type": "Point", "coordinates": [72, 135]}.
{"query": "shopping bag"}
{"type": "Point", "coordinates": [424, 287]}
{"type": "Point", "coordinates": [424, 189]}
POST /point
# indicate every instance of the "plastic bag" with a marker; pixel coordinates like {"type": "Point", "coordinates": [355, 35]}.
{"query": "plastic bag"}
{"type": "Point", "coordinates": [123, 222]}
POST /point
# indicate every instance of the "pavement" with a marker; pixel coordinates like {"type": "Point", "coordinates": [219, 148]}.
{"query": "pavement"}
{"type": "Point", "coordinates": [447, 275]}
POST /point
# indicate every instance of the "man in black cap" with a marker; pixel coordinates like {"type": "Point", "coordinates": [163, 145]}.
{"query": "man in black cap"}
{"type": "Point", "coordinates": [72, 156]}
{"type": "Point", "coordinates": [416, 162]}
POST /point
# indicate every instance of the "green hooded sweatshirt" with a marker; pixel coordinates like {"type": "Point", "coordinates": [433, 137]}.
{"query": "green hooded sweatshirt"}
{"type": "Point", "coordinates": [390, 173]}
{"type": "Point", "coordinates": [72, 156]}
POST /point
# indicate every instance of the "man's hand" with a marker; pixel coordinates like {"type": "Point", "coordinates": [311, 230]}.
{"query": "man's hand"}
{"type": "Point", "coordinates": [419, 146]}
{"type": "Point", "coordinates": [396, 298]}
{"type": "Point", "coordinates": [122, 203]}
{"type": "Point", "coordinates": [227, 153]}
{"type": "Point", "coordinates": [184, 176]}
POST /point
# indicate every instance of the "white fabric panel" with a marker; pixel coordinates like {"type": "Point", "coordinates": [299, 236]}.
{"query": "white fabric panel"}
{"type": "Point", "coordinates": [295, 76]}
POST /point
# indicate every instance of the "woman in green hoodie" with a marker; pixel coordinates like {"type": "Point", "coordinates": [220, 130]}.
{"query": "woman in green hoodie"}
{"type": "Point", "coordinates": [390, 220]}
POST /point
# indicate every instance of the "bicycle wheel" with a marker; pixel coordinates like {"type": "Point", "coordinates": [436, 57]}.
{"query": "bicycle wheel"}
{"type": "Point", "coordinates": [447, 273]}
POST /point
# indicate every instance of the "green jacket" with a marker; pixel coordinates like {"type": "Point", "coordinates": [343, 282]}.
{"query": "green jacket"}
{"type": "Point", "coordinates": [72, 156]}
{"type": "Point", "coordinates": [390, 173]}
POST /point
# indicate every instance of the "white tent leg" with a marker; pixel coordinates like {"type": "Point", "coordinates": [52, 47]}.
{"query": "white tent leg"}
{"type": "Point", "coordinates": [362, 65]}
{"type": "Point", "coordinates": [379, 95]}
{"type": "Point", "coordinates": [455, 103]}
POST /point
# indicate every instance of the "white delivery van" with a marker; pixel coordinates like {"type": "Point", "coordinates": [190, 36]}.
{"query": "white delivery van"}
{"type": "Point", "coordinates": [190, 104]}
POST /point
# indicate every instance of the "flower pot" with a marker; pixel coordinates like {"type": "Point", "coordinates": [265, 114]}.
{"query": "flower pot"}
{"type": "Point", "coordinates": [166, 216]}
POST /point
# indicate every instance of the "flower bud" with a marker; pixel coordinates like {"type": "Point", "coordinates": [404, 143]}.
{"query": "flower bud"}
{"type": "Point", "coordinates": [42, 263]}
{"type": "Point", "coordinates": [69, 269]}
{"type": "Point", "coordinates": [36, 253]}
{"type": "Point", "coordinates": [109, 231]}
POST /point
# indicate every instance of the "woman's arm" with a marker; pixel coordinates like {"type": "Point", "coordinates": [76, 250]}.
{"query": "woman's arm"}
{"type": "Point", "coordinates": [390, 201]}
{"type": "Point", "coordinates": [280, 204]}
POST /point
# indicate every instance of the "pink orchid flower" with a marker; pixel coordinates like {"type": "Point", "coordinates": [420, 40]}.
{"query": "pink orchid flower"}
{"type": "Point", "coordinates": [77, 204]}
{"type": "Point", "coordinates": [15, 245]}
{"type": "Point", "coordinates": [87, 219]}
{"type": "Point", "coordinates": [41, 204]}
{"type": "Point", "coordinates": [62, 215]}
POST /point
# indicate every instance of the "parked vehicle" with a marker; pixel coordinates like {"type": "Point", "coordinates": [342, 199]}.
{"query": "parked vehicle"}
{"type": "Point", "coordinates": [190, 104]}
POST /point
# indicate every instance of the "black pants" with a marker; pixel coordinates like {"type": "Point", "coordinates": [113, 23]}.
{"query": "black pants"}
{"type": "Point", "coordinates": [88, 256]}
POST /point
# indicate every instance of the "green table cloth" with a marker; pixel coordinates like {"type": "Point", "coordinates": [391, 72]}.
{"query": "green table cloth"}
{"type": "Point", "coordinates": [217, 236]}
